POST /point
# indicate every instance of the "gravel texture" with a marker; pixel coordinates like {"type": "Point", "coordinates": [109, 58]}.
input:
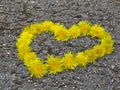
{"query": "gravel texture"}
{"type": "Point", "coordinates": [14, 14]}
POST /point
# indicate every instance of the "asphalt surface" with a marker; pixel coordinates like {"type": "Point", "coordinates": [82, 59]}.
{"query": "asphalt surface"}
{"type": "Point", "coordinates": [15, 14]}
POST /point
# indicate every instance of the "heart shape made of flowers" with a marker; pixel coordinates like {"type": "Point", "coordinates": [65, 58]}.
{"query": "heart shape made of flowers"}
{"type": "Point", "coordinates": [54, 64]}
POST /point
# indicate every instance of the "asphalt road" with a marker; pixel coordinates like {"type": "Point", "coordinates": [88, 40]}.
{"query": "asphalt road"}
{"type": "Point", "coordinates": [15, 14]}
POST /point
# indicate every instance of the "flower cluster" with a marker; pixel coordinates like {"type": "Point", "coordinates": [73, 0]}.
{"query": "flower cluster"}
{"type": "Point", "coordinates": [55, 64]}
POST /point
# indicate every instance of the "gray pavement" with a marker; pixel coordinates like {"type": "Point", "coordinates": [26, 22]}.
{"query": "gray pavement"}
{"type": "Point", "coordinates": [14, 14]}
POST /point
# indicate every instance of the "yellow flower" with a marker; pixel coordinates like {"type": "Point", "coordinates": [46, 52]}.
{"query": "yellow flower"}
{"type": "Point", "coordinates": [107, 40]}
{"type": "Point", "coordinates": [81, 59]}
{"type": "Point", "coordinates": [35, 28]}
{"type": "Point", "coordinates": [22, 51]}
{"type": "Point", "coordinates": [108, 48]}
{"type": "Point", "coordinates": [97, 31]}
{"type": "Point", "coordinates": [84, 27]}
{"type": "Point", "coordinates": [74, 31]}
{"type": "Point", "coordinates": [55, 28]}
{"type": "Point", "coordinates": [91, 55]}
{"type": "Point", "coordinates": [60, 32]}
{"type": "Point", "coordinates": [22, 42]}
{"type": "Point", "coordinates": [37, 68]}
{"type": "Point", "coordinates": [54, 64]}
{"type": "Point", "coordinates": [29, 57]}
{"type": "Point", "coordinates": [107, 43]}
{"type": "Point", "coordinates": [27, 36]}
{"type": "Point", "coordinates": [99, 50]}
{"type": "Point", "coordinates": [47, 25]}
{"type": "Point", "coordinates": [107, 35]}
{"type": "Point", "coordinates": [69, 61]}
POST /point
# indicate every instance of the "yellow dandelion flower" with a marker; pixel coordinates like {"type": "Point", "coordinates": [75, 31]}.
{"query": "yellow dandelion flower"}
{"type": "Point", "coordinates": [69, 61]}
{"type": "Point", "coordinates": [91, 55]}
{"type": "Point", "coordinates": [22, 51]}
{"type": "Point", "coordinates": [27, 36]}
{"type": "Point", "coordinates": [108, 45]}
{"type": "Point", "coordinates": [47, 25]}
{"type": "Point", "coordinates": [107, 40]}
{"type": "Point", "coordinates": [81, 59]}
{"type": "Point", "coordinates": [54, 64]}
{"type": "Point", "coordinates": [30, 29]}
{"type": "Point", "coordinates": [29, 57]}
{"type": "Point", "coordinates": [22, 42]}
{"type": "Point", "coordinates": [97, 31]}
{"type": "Point", "coordinates": [107, 35]}
{"type": "Point", "coordinates": [84, 27]}
{"type": "Point", "coordinates": [74, 31]}
{"type": "Point", "coordinates": [108, 48]}
{"type": "Point", "coordinates": [60, 32]}
{"type": "Point", "coordinates": [37, 68]}
{"type": "Point", "coordinates": [55, 28]}
{"type": "Point", "coordinates": [35, 28]}
{"type": "Point", "coordinates": [99, 50]}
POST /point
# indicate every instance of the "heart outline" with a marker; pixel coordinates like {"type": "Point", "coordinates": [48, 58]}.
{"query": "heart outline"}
{"type": "Point", "coordinates": [55, 64]}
